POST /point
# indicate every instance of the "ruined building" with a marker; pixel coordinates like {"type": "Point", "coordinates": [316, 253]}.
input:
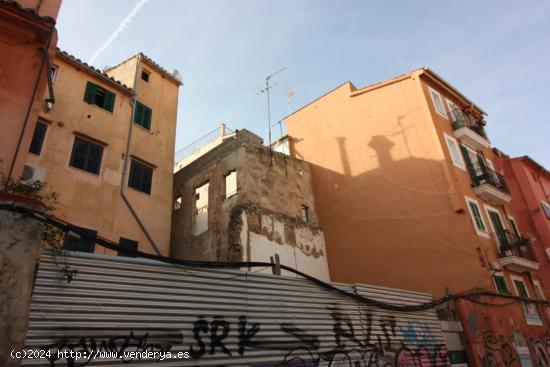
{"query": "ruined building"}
{"type": "Point", "coordinates": [239, 201]}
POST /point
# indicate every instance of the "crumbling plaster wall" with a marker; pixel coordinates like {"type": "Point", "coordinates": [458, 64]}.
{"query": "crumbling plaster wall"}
{"type": "Point", "coordinates": [262, 219]}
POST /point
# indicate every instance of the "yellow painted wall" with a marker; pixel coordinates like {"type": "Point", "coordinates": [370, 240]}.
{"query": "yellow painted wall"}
{"type": "Point", "coordinates": [389, 200]}
{"type": "Point", "coordinates": [94, 201]}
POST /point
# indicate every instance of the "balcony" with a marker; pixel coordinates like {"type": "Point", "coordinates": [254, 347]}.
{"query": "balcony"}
{"type": "Point", "coordinates": [488, 184]}
{"type": "Point", "coordinates": [469, 130]}
{"type": "Point", "coordinates": [515, 252]}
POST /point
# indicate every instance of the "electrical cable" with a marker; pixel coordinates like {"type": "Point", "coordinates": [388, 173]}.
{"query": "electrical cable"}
{"type": "Point", "coordinates": [65, 226]}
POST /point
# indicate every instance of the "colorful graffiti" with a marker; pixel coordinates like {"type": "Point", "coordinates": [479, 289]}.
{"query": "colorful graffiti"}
{"type": "Point", "coordinates": [394, 346]}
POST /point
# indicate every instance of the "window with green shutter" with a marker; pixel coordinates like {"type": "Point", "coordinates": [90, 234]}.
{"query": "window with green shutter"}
{"type": "Point", "coordinates": [476, 215]}
{"type": "Point", "coordinates": [500, 282]}
{"type": "Point", "coordinates": [142, 115]}
{"type": "Point", "coordinates": [141, 176]}
{"type": "Point", "coordinates": [99, 96]}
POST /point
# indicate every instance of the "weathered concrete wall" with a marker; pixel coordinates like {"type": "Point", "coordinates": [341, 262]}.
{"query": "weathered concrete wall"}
{"type": "Point", "coordinates": [20, 240]}
{"type": "Point", "coordinates": [264, 234]}
{"type": "Point", "coordinates": [264, 216]}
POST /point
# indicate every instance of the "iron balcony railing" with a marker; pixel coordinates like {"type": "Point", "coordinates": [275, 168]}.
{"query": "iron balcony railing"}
{"type": "Point", "coordinates": [481, 174]}
{"type": "Point", "coordinates": [513, 245]}
{"type": "Point", "coordinates": [463, 119]}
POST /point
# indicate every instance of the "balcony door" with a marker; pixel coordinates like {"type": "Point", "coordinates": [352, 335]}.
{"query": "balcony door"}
{"type": "Point", "coordinates": [475, 163]}
{"type": "Point", "coordinates": [498, 228]}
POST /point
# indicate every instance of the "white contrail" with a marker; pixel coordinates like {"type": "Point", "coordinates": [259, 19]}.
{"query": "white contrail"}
{"type": "Point", "coordinates": [118, 31]}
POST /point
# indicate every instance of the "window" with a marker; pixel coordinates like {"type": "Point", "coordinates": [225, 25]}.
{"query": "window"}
{"type": "Point", "coordinates": [497, 226]}
{"type": "Point", "coordinates": [142, 115]}
{"type": "Point", "coordinates": [200, 214]}
{"type": "Point", "coordinates": [438, 102]}
{"type": "Point", "coordinates": [86, 155]}
{"type": "Point", "coordinates": [500, 283]}
{"type": "Point", "coordinates": [38, 138]}
{"type": "Point", "coordinates": [545, 208]}
{"type": "Point", "coordinates": [127, 248]}
{"type": "Point", "coordinates": [53, 72]}
{"type": "Point", "coordinates": [475, 212]}
{"type": "Point", "coordinates": [305, 213]}
{"type": "Point", "coordinates": [99, 96]}
{"type": "Point", "coordinates": [538, 290]}
{"type": "Point", "coordinates": [519, 285]}
{"type": "Point", "coordinates": [145, 75]}
{"type": "Point", "coordinates": [141, 176]}
{"type": "Point", "coordinates": [454, 151]}
{"type": "Point", "coordinates": [514, 226]}
{"type": "Point", "coordinates": [79, 239]}
{"type": "Point", "coordinates": [454, 112]}
{"type": "Point", "coordinates": [177, 203]}
{"type": "Point", "coordinates": [231, 184]}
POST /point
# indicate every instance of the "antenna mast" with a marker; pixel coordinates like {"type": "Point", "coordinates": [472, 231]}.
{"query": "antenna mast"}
{"type": "Point", "coordinates": [266, 91]}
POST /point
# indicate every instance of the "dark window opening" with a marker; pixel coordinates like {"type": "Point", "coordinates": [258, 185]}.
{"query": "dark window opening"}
{"type": "Point", "coordinates": [305, 213]}
{"type": "Point", "coordinates": [80, 239]}
{"type": "Point", "coordinates": [127, 247]}
{"type": "Point", "coordinates": [141, 176]}
{"type": "Point", "coordinates": [500, 282]}
{"type": "Point", "coordinates": [145, 75]}
{"type": "Point", "coordinates": [142, 115]}
{"type": "Point", "coordinates": [86, 156]}
{"type": "Point", "coordinates": [53, 72]}
{"type": "Point", "coordinates": [99, 96]}
{"type": "Point", "coordinates": [38, 138]}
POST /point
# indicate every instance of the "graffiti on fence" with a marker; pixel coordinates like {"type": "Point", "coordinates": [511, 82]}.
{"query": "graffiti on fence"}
{"type": "Point", "coordinates": [352, 344]}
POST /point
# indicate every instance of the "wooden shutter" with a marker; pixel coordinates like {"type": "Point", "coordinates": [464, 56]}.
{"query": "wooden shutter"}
{"type": "Point", "coordinates": [90, 92]}
{"type": "Point", "coordinates": [147, 112]}
{"type": "Point", "coordinates": [109, 101]}
{"type": "Point", "coordinates": [138, 114]}
{"type": "Point", "coordinates": [469, 164]}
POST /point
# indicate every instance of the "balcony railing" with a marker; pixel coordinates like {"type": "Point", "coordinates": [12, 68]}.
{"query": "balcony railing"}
{"type": "Point", "coordinates": [463, 119]}
{"type": "Point", "coordinates": [481, 174]}
{"type": "Point", "coordinates": [513, 245]}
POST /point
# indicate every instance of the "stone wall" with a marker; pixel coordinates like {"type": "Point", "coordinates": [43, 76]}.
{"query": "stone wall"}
{"type": "Point", "coordinates": [264, 216]}
{"type": "Point", "coordinates": [20, 239]}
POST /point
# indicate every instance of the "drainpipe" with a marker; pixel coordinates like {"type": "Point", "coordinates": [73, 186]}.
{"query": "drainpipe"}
{"type": "Point", "coordinates": [125, 168]}
{"type": "Point", "coordinates": [29, 108]}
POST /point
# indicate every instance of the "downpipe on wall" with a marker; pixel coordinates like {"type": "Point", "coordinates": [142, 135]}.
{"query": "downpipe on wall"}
{"type": "Point", "coordinates": [125, 168]}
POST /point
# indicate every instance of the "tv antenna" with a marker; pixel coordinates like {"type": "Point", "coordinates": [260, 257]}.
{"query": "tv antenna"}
{"type": "Point", "coordinates": [266, 91]}
{"type": "Point", "coordinates": [290, 93]}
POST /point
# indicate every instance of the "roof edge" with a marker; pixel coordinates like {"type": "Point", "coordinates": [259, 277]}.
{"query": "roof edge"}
{"type": "Point", "coordinates": [96, 72]}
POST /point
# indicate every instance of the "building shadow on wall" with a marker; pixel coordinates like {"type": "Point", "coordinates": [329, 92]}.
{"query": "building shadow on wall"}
{"type": "Point", "coordinates": [395, 222]}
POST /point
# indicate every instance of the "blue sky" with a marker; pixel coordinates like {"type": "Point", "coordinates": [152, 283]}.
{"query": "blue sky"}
{"type": "Point", "coordinates": [495, 52]}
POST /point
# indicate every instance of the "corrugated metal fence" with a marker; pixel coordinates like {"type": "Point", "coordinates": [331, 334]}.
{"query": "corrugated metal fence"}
{"type": "Point", "coordinates": [217, 318]}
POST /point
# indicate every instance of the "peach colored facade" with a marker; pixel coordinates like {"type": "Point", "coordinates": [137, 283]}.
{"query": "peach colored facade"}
{"type": "Point", "coordinates": [395, 209]}
{"type": "Point", "coordinates": [104, 201]}
{"type": "Point", "coordinates": [530, 186]}
{"type": "Point", "coordinates": [27, 40]}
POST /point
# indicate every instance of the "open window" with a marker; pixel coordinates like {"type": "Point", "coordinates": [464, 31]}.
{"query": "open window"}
{"type": "Point", "coordinates": [177, 202]}
{"type": "Point", "coordinates": [305, 213]}
{"type": "Point", "coordinates": [230, 183]}
{"type": "Point", "coordinates": [200, 213]}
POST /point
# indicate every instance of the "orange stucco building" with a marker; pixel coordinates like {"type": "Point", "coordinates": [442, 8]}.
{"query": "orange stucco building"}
{"type": "Point", "coordinates": [529, 183]}
{"type": "Point", "coordinates": [27, 43]}
{"type": "Point", "coordinates": [406, 190]}
{"type": "Point", "coordinates": [107, 147]}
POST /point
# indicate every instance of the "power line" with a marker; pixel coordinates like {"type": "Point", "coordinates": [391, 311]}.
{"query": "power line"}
{"type": "Point", "coordinates": [82, 233]}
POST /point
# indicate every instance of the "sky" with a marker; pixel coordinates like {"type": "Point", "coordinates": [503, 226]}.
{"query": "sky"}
{"type": "Point", "coordinates": [497, 53]}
